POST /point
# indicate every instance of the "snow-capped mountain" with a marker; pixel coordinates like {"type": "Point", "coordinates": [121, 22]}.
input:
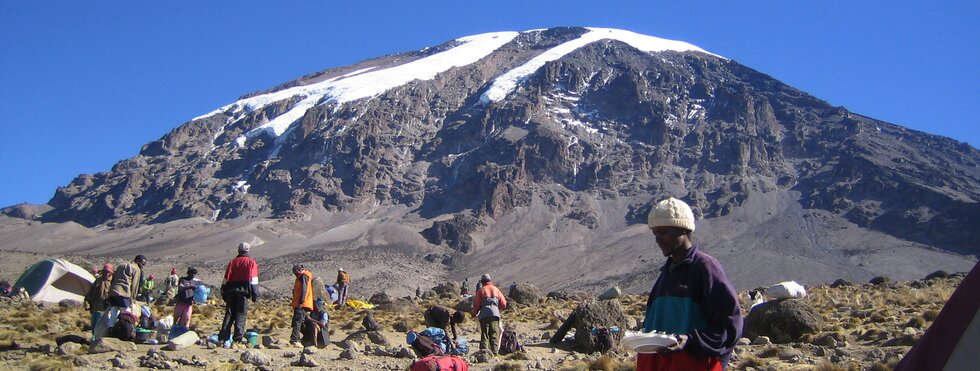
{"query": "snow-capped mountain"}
{"type": "Point", "coordinates": [545, 144]}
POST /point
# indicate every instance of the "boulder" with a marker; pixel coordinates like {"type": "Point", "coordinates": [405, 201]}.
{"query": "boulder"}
{"type": "Point", "coordinates": [70, 303]}
{"type": "Point", "coordinates": [183, 341]}
{"type": "Point", "coordinates": [448, 289]}
{"type": "Point", "coordinates": [400, 305]}
{"type": "Point", "coordinates": [465, 305]}
{"type": "Point", "coordinates": [591, 314]}
{"type": "Point", "coordinates": [611, 293]}
{"type": "Point", "coordinates": [782, 321]}
{"type": "Point", "coordinates": [880, 280]}
{"type": "Point", "coordinates": [380, 298]}
{"type": "Point", "coordinates": [937, 274]}
{"type": "Point", "coordinates": [106, 345]}
{"type": "Point", "coordinates": [524, 293]}
{"type": "Point", "coordinates": [840, 282]}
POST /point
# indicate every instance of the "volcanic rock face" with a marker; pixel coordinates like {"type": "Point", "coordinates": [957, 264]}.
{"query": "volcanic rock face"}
{"type": "Point", "coordinates": [608, 118]}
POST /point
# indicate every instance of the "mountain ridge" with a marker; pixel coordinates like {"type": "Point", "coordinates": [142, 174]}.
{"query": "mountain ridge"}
{"type": "Point", "coordinates": [581, 145]}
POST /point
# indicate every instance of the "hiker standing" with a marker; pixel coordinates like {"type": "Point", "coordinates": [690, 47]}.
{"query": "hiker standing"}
{"type": "Point", "coordinates": [98, 293]}
{"type": "Point", "coordinates": [692, 298]}
{"type": "Point", "coordinates": [146, 289]}
{"type": "Point", "coordinates": [302, 302]}
{"type": "Point", "coordinates": [126, 282]}
{"type": "Point", "coordinates": [464, 289]}
{"type": "Point", "coordinates": [439, 316]}
{"type": "Point", "coordinates": [184, 299]}
{"type": "Point", "coordinates": [169, 291]}
{"type": "Point", "coordinates": [241, 284]}
{"type": "Point", "coordinates": [343, 280]}
{"type": "Point", "coordinates": [487, 306]}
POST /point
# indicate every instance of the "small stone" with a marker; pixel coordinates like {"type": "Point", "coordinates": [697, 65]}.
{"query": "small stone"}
{"type": "Point", "coordinates": [69, 348]}
{"type": "Point", "coordinates": [762, 340]}
{"type": "Point", "coordinates": [106, 345]}
{"type": "Point", "coordinates": [46, 348]}
{"type": "Point", "coordinates": [482, 356]}
{"type": "Point", "coordinates": [910, 331]}
{"type": "Point", "coordinates": [304, 361]}
{"type": "Point", "coordinates": [348, 354]}
{"type": "Point", "coordinates": [744, 341]}
{"type": "Point", "coordinates": [404, 352]}
{"type": "Point", "coordinates": [118, 362]}
{"type": "Point", "coordinates": [289, 354]}
{"type": "Point", "coordinates": [255, 357]}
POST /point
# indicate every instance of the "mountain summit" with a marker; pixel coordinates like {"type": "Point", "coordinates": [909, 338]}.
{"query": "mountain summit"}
{"type": "Point", "coordinates": [538, 153]}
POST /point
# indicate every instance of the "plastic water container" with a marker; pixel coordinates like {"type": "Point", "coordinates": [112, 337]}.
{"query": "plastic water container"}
{"type": "Point", "coordinates": [143, 336]}
{"type": "Point", "coordinates": [252, 338]}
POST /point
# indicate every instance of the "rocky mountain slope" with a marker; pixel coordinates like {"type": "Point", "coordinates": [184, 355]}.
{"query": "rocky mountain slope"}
{"type": "Point", "coordinates": [537, 155]}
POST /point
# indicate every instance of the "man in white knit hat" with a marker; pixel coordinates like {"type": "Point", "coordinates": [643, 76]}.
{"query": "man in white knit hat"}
{"type": "Point", "coordinates": [692, 298]}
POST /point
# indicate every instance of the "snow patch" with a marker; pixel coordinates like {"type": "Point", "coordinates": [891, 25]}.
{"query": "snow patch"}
{"type": "Point", "coordinates": [506, 83]}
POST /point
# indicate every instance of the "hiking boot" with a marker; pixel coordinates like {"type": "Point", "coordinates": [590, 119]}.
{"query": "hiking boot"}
{"type": "Point", "coordinates": [226, 344]}
{"type": "Point", "coordinates": [296, 344]}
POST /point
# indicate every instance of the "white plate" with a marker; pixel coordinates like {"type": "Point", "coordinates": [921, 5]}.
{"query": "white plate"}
{"type": "Point", "coordinates": [649, 342]}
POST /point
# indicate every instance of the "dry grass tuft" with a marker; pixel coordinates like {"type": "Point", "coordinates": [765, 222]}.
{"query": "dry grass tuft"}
{"type": "Point", "coordinates": [228, 366]}
{"type": "Point", "coordinates": [47, 363]}
{"type": "Point", "coordinates": [519, 356]}
{"type": "Point", "coordinates": [750, 361]}
{"type": "Point", "coordinates": [507, 366]}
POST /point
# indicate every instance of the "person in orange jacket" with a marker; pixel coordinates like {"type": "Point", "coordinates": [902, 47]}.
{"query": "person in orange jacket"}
{"type": "Point", "coordinates": [302, 302]}
{"type": "Point", "coordinates": [486, 307]}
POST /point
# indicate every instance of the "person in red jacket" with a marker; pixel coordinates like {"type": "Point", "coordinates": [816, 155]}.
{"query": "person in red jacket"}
{"type": "Point", "coordinates": [486, 307]}
{"type": "Point", "coordinates": [241, 284]}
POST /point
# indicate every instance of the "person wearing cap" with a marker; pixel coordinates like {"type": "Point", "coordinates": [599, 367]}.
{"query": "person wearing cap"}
{"type": "Point", "coordinates": [98, 292]}
{"type": "Point", "coordinates": [169, 291]}
{"type": "Point", "coordinates": [241, 283]}
{"type": "Point", "coordinates": [302, 302]}
{"type": "Point", "coordinates": [184, 297]}
{"type": "Point", "coordinates": [692, 298]}
{"type": "Point", "coordinates": [487, 305]}
{"type": "Point", "coordinates": [343, 281]}
{"type": "Point", "coordinates": [126, 283]}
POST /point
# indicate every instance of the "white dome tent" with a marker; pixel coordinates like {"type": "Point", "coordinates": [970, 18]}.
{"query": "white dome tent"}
{"type": "Point", "coordinates": [54, 280]}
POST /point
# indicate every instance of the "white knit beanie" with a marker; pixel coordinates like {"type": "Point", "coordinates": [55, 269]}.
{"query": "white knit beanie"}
{"type": "Point", "coordinates": [671, 213]}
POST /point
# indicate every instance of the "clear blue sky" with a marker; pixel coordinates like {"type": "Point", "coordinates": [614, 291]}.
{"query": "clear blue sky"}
{"type": "Point", "coordinates": [84, 84]}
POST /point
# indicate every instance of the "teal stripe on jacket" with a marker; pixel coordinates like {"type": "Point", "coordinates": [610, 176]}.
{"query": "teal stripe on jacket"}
{"type": "Point", "coordinates": [675, 315]}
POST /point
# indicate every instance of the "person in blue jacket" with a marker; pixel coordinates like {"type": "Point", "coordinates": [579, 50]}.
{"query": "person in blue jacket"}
{"type": "Point", "coordinates": [692, 298]}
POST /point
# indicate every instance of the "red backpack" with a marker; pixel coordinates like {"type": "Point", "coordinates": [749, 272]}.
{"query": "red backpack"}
{"type": "Point", "coordinates": [440, 363]}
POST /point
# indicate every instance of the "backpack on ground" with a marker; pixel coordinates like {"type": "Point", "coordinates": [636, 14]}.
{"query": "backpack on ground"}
{"type": "Point", "coordinates": [438, 335]}
{"type": "Point", "coordinates": [423, 346]}
{"type": "Point", "coordinates": [462, 346]}
{"type": "Point", "coordinates": [125, 327]}
{"type": "Point", "coordinates": [440, 363]}
{"type": "Point", "coordinates": [604, 339]}
{"type": "Point", "coordinates": [509, 343]}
